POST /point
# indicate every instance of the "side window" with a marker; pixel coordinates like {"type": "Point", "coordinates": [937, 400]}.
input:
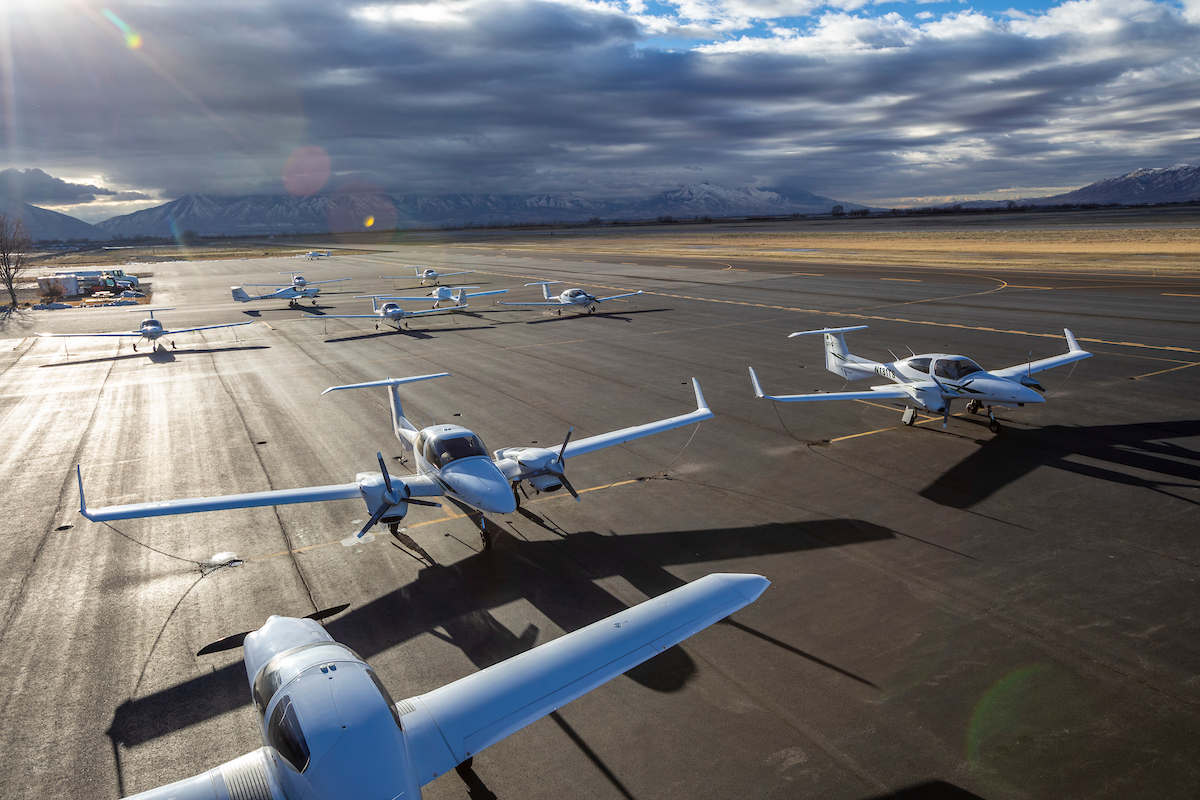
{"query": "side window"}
{"type": "Point", "coordinates": [285, 735]}
{"type": "Point", "coordinates": [945, 369]}
{"type": "Point", "coordinates": [430, 454]}
{"type": "Point", "coordinates": [419, 442]}
{"type": "Point", "coordinates": [391, 704]}
{"type": "Point", "coordinates": [920, 364]}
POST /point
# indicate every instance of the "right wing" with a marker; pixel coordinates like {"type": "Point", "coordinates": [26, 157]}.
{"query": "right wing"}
{"type": "Point", "coordinates": [449, 725]}
{"type": "Point", "coordinates": [536, 304]}
{"type": "Point", "coordinates": [67, 335]}
{"type": "Point", "coordinates": [1074, 353]}
{"type": "Point", "coordinates": [592, 443]}
{"type": "Point", "coordinates": [876, 393]}
{"type": "Point", "coordinates": [253, 774]}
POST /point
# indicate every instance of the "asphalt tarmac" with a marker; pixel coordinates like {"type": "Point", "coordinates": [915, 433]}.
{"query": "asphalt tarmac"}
{"type": "Point", "coordinates": [953, 614]}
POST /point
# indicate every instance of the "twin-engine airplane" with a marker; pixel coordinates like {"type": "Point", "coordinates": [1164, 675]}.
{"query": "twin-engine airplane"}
{"type": "Point", "coordinates": [571, 297]}
{"type": "Point", "coordinates": [312, 255]}
{"type": "Point", "coordinates": [151, 329]}
{"type": "Point", "coordinates": [292, 292]}
{"type": "Point", "coordinates": [451, 461]}
{"type": "Point", "coordinates": [331, 730]}
{"type": "Point", "coordinates": [427, 274]}
{"type": "Point", "coordinates": [932, 381]}
{"type": "Point", "coordinates": [452, 294]}
{"type": "Point", "coordinates": [388, 312]}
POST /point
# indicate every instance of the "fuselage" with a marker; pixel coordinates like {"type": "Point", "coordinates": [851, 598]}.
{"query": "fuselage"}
{"type": "Point", "coordinates": [457, 458]}
{"type": "Point", "coordinates": [151, 329]}
{"type": "Point", "coordinates": [937, 377]}
{"type": "Point", "coordinates": [576, 296]}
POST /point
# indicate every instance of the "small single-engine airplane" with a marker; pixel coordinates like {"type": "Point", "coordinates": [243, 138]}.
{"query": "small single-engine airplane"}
{"type": "Point", "coordinates": [451, 461]}
{"type": "Point", "coordinates": [292, 292]}
{"type": "Point", "coordinates": [315, 254]}
{"type": "Point", "coordinates": [389, 312]}
{"type": "Point", "coordinates": [571, 297]}
{"type": "Point", "coordinates": [426, 274]}
{"type": "Point", "coordinates": [151, 329]}
{"type": "Point", "coordinates": [331, 730]}
{"type": "Point", "coordinates": [932, 381]}
{"type": "Point", "coordinates": [452, 294]}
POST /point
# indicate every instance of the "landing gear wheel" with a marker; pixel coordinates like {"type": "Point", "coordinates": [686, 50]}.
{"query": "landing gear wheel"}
{"type": "Point", "coordinates": [485, 536]}
{"type": "Point", "coordinates": [135, 348]}
{"type": "Point", "coordinates": [994, 426]}
{"type": "Point", "coordinates": [973, 407]}
{"type": "Point", "coordinates": [172, 345]}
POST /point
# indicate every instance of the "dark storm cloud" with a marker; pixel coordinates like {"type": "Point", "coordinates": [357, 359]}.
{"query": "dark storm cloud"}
{"type": "Point", "coordinates": [522, 96]}
{"type": "Point", "coordinates": [36, 187]}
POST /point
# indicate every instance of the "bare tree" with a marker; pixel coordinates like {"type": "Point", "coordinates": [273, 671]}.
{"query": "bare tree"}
{"type": "Point", "coordinates": [14, 245]}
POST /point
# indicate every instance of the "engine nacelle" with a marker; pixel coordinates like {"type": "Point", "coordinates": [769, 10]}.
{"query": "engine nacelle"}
{"type": "Point", "coordinates": [546, 483]}
{"type": "Point", "coordinates": [375, 494]}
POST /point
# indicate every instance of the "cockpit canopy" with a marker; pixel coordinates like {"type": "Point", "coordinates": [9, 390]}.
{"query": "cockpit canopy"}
{"type": "Point", "coordinates": [443, 447]}
{"type": "Point", "coordinates": [955, 367]}
{"type": "Point", "coordinates": [575, 292]}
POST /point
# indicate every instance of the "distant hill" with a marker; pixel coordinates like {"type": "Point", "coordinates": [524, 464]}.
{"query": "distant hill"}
{"type": "Point", "coordinates": [1176, 184]}
{"type": "Point", "coordinates": [263, 214]}
{"type": "Point", "coordinates": [45, 224]}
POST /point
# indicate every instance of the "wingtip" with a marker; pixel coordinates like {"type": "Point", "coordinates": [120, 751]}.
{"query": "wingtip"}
{"type": "Point", "coordinates": [758, 392]}
{"type": "Point", "coordinates": [701, 404]}
{"type": "Point", "coordinates": [82, 501]}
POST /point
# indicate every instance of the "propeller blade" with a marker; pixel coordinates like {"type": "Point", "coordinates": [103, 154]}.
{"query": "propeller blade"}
{"type": "Point", "coordinates": [570, 488]}
{"type": "Point", "coordinates": [387, 479]}
{"type": "Point", "coordinates": [228, 643]}
{"type": "Point", "coordinates": [429, 503]}
{"type": "Point", "coordinates": [563, 449]}
{"type": "Point", "coordinates": [378, 515]}
{"type": "Point", "coordinates": [946, 415]}
{"type": "Point", "coordinates": [328, 612]}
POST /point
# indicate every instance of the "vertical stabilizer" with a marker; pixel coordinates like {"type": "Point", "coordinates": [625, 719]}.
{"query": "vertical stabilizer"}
{"type": "Point", "coordinates": [240, 295]}
{"type": "Point", "coordinates": [405, 431]}
{"type": "Point", "coordinates": [838, 358]}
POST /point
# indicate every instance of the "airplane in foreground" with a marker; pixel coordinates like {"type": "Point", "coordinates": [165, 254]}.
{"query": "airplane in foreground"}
{"type": "Point", "coordinates": [389, 312]}
{"type": "Point", "coordinates": [451, 461]}
{"type": "Point", "coordinates": [331, 730]}
{"type": "Point", "coordinates": [570, 298]}
{"type": "Point", "coordinates": [426, 274]}
{"type": "Point", "coordinates": [151, 329]}
{"type": "Point", "coordinates": [932, 381]}
{"type": "Point", "coordinates": [292, 292]}
{"type": "Point", "coordinates": [453, 294]}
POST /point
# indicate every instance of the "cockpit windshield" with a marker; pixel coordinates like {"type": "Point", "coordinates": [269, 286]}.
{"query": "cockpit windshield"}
{"type": "Point", "coordinates": [955, 368]}
{"type": "Point", "coordinates": [452, 449]}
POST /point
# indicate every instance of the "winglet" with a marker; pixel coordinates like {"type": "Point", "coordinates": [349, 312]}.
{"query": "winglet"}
{"type": "Point", "coordinates": [387, 382]}
{"type": "Point", "coordinates": [82, 503]}
{"type": "Point", "coordinates": [757, 386]}
{"type": "Point", "coordinates": [1074, 345]}
{"type": "Point", "coordinates": [700, 404]}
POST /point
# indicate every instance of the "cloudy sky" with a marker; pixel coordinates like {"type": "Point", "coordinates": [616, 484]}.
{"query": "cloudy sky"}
{"type": "Point", "coordinates": [124, 105]}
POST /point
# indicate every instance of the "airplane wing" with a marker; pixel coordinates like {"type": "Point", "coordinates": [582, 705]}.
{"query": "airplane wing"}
{"type": "Point", "coordinates": [418, 485]}
{"type": "Point", "coordinates": [616, 296]}
{"type": "Point", "coordinates": [207, 328]}
{"type": "Point", "coordinates": [592, 443]}
{"type": "Point", "coordinates": [334, 280]}
{"type": "Point", "coordinates": [537, 304]}
{"type": "Point", "coordinates": [252, 775]}
{"type": "Point", "coordinates": [1074, 353]}
{"type": "Point", "coordinates": [464, 272]}
{"type": "Point", "coordinates": [876, 393]}
{"type": "Point", "coordinates": [271, 285]}
{"type": "Point", "coordinates": [414, 299]}
{"type": "Point", "coordinates": [485, 294]}
{"type": "Point", "coordinates": [449, 725]}
{"type": "Point", "coordinates": [66, 335]}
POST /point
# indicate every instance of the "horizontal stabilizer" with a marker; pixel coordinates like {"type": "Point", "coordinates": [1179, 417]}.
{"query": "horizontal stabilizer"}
{"type": "Point", "coordinates": [387, 382]}
{"type": "Point", "coordinates": [828, 330]}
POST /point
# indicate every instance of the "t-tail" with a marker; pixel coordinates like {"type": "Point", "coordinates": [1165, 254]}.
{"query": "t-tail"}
{"type": "Point", "coordinates": [838, 358]}
{"type": "Point", "coordinates": [240, 295]}
{"type": "Point", "coordinates": [405, 431]}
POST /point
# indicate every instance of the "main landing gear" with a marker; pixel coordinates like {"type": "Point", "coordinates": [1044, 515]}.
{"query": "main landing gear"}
{"type": "Point", "coordinates": [973, 408]}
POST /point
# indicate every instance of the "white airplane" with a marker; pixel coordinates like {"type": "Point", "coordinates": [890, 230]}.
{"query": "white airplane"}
{"type": "Point", "coordinates": [151, 329]}
{"type": "Point", "coordinates": [292, 292]}
{"type": "Point", "coordinates": [331, 730]}
{"type": "Point", "coordinates": [315, 254]}
{"type": "Point", "coordinates": [451, 461]}
{"type": "Point", "coordinates": [571, 297]}
{"type": "Point", "coordinates": [426, 274]}
{"type": "Point", "coordinates": [932, 381]}
{"type": "Point", "coordinates": [388, 312]}
{"type": "Point", "coordinates": [454, 294]}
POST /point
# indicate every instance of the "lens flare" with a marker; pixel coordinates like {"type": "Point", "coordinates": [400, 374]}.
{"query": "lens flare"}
{"type": "Point", "coordinates": [306, 171]}
{"type": "Point", "coordinates": [133, 39]}
{"type": "Point", "coordinates": [368, 222]}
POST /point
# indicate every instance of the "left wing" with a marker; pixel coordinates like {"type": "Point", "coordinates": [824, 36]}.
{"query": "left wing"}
{"type": "Point", "coordinates": [616, 296]}
{"type": "Point", "coordinates": [67, 335]}
{"type": "Point", "coordinates": [485, 294]}
{"type": "Point", "coordinates": [334, 280]}
{"type": "Point", "coordinates": [1074, 353]}
{"type": "Point", "coordinates": [876, 393]}
{"type": "Point", "coordinates": [537, 304]}
{"type": "Point", "coordinates": [207, 328]}
{"type": "Point", "coordinates": [447, 726]}
{"type": "Point", "coordinates": [592, 443]}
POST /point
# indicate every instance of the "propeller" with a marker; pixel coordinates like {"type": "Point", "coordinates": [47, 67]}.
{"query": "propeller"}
{"type": "Point", "coordinates": [562, 468]}
{"type": "Point", "coordinates": [391, 498]}
{"type": "Point", "coordinates": [235, 641]}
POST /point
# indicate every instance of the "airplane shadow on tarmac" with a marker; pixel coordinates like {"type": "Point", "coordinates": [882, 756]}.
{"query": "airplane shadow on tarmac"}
{"type": "Point", "coordinates": [617, 315]}
{"type": "Point", "coordinates": [930, 790]}
{"type": "Point", "coordinates": [556, 576]}
{"type": "Point", "coordinates": [1130, 450]}
{"type": "Point", "coordinates": [412, 334]}
{"type": "Point", "coordinates": [159, 356]}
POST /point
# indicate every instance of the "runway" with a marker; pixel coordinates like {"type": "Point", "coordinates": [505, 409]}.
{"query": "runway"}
{"type": "Point", "coordinates": [953, 613]}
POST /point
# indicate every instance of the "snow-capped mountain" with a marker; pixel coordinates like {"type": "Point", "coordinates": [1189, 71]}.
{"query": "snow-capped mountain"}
{"type": "Point", "coordinates": [351, 211]}
{"type": "Point", "coordinates": [42, 223]}
{"type": "Point", "coordinates": [1174, 184]}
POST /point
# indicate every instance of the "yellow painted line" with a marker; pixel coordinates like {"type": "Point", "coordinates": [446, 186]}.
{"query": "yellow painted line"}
{"type": "Point", "coordinates": [1172, 369]}
{"type": "Point", "coordinates": [906, 280]}
{"type": "Point", "coordinates": [450, 516]}
{"type": "Point", "coordinates": [1015, 286]}
{"type": "Point", "coordinates": [1168, 294]}
{"type": "Point", "coordinates": [678, 266]}
{"type": "Point", "coordinates": [813, 274]}
{"type": "Point", "coordinates": [554, 259]}
{"type": "Point", "coordinates": [589, 262]}
{"type": "Point", "coordinates": [264, 322]}
{"type": "Point", "coordinates": [630, 264]}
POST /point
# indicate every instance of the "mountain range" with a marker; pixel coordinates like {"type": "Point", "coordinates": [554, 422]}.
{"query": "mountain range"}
{"type": "Point", "coordinates": [336, 212]}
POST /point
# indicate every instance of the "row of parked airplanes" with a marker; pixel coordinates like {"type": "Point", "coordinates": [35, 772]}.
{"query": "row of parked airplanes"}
{"type": "Point", "coordinates": [328, 726]}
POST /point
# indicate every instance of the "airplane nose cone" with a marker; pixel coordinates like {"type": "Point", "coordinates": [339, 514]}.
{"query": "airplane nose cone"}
{"type": "Point", "coordinates": [1027, 395]}
{"type": "Point", "coordinates": [481, 484]}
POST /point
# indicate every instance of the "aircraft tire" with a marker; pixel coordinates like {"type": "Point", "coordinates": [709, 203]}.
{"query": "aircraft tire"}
{"type": "Point", "coordinates": [973, 407]}
{"type": "Point", "coordinates": [994, 426]}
